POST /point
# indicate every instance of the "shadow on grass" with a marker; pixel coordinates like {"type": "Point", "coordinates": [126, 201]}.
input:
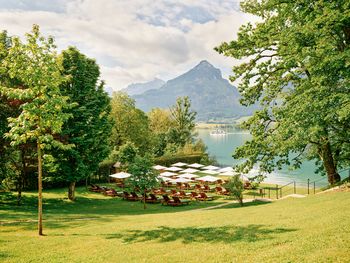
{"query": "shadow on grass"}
{"type": "Point", "coordinates": [224, 234]}
{"type": "Point", "coordinates": [60, 212]}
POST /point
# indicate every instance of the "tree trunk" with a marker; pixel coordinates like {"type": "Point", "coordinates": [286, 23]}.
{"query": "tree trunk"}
{"type": "Point", "coordinates": [144, 199]}
{"type": "Point", "coordinates": [71, 191]}
{"type": "Point", "coordinates": [40, 185]}
{"type": "Point", "coordinates": [329, 164]}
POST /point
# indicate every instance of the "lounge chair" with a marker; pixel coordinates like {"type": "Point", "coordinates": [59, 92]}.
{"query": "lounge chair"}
{"type": "Point", "coordinates": [181, 202]}
{"type": "Point", "coordinates": [222, 191]}
{"type": "Point", "coordinates": [183, 194]}
{"type": "Point", "coordinates": [95, 188]}
{"type": "Point", "coordinates": [194, 195]}
{"type": "Point", "coordinates": [152, 199]}
{"type": "Point", "coordinates": [174, 193]}
{"type": "Point", "coordinates": [204, 197]}
{"type": "Point", "coordinates": [247, 185]}
{"type": "Point", "coordinates": [130, 197]}
{"type": "Point", "coordinates": [188, 186]}
{"type": "Point", "coordinates": [110, 192]}
{"type": "Point", "coordinates": [159, 191]}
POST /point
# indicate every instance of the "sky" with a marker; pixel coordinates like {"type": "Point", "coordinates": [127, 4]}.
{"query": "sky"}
{"type": "Point", "coordinates": [133, 40]}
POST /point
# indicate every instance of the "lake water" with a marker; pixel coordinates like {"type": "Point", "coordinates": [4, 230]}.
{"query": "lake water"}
{"type": "Point", "coordinates": [223, 146]}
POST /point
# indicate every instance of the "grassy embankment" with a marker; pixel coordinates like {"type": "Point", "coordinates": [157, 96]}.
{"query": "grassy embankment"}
{"type": "Point", "coordinates": [102, 229]}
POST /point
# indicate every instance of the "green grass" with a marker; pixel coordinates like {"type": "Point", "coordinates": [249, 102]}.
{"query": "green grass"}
{"type": "Point", "coordinates": [102, 229]}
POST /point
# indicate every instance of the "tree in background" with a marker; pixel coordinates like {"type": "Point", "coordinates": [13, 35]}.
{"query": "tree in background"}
{"type": "Point", "coordinates": [131, 124]}
{"type": "Point", "coordinates": [236, 188]}
{"type": "Point", "coordinates": [297, 67]}
{"type": "Point", "coordinates": [143, 176]}
{"type": "Point", "coordinates": [184, 119]}
{"type": "Point", "coordinates": [35, 65]}
{"type": "Point", "coordinates": [90, 126]}
{"type": "Point", "coordinates": [127, 154]}
{"type": "Point", "coordinates": [160, 123]}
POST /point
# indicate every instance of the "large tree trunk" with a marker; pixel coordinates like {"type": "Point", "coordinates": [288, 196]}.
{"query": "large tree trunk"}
{"type": "Point", "coordinates": [40, 185]}
{"type": "Point", "coordinates": [329, 164]}
{"type": "Point", "coordinates": [144, 199]}
{"type": "Point", "coordinates": [71, 191]}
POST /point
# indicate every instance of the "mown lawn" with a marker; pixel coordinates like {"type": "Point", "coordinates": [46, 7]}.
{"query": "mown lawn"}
{"type": "Point", "coordinates": [102, 229]}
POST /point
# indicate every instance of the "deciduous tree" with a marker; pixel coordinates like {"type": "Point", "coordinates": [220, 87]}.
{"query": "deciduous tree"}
{"type": "Point", "coordinates": [89, 128]}
{"type": "Point", "coordinates": [36, 66]}
{"type": "Point", "coordinates": [296, 64]}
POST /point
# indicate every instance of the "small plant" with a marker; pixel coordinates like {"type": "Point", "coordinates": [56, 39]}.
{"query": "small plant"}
{"type": "Point", "coordinates": [236, 188]}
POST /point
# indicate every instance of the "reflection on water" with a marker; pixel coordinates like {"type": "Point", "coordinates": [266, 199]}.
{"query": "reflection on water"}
{"type": "Point", "coordinates": [223, 146]}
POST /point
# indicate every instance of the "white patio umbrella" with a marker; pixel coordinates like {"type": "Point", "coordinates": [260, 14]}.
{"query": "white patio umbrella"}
{"type": "Point", "coordinates": [208, 178]}
{"type": "Point", "coordinates": [187, 175]}
{"type": "Point", "coordinates": [159, 167]}
{"type": "Point", "coordinates": [209, 172]}
{"type": "Point", "coordinates": [121, 175]}
{"type": "Point", "coordinates": [168, 174]}
{"type": "Point", "coordinates": [181, 180]}
{"type": "Point", "coordinates": [226, 169]}
{"type": "Point", "coordinates": [228, 173]}
{"type": "Point", "coordinates": [174, 169]}
{"type": "Point", "coordinates": [165, 179]}
{"type": "Point", "coordinates": [189, 170]}
{"type": "Point", "coordinates": [180, 164]}
{"type": "Point", "coordinates": [195, 165]}
{"type": "Point", "coordinates": [210, 167]}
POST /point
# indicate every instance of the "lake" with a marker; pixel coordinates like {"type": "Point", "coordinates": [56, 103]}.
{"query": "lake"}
{"type": "Point", "coordinates": [223, 146]}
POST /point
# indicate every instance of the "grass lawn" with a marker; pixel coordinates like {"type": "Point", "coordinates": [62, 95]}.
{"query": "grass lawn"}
{"type": "Point", "coordinates": [103, 229]}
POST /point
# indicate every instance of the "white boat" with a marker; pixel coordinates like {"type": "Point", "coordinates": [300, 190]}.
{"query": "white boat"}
{"type": "Point", "coordinates": [218, 132]}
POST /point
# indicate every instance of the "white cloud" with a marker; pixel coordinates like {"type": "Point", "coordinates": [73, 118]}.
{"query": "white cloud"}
{"type": "Point", "coordinates": [136, 40]}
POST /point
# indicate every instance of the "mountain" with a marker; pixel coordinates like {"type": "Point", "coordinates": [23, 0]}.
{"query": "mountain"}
{"type": "Point", "coordinates": [212, 96]}
{"type": "Point", "coordinates": [139, 88]}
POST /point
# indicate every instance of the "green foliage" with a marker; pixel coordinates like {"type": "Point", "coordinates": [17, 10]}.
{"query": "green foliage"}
{"type": "Point", "coordinates": [236, 188]}
{"type": "Point", "coordinates": [127, 153]}
{"type": "Point", "coordinates": [89, 127]}
{"type": "Point", "coordinates": [144, 177]}
{"type": "Point", "coordinates": [131, 124]}
{"type": "Point", "coordinates": [184, 118]}
{"type": "Point", "coordinates": [296, 66]}
{"type": "Point", "coordinates": [35, 65]}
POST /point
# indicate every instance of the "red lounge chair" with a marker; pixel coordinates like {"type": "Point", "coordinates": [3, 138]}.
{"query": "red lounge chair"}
{"type": "Point", "coordinates": [159, 191]}
{"type": "Point", "coordinates": [247, 185]}
{"type": "Point", "coordinates": [130, 197]}
{"type": "Point", "coordinates": [194, 195]}
{"type": "Point", "coordinates": [222, 191]}
{"type": "Point", "coordinates": [95, 188]}
{"type": "Point", "coordinates": [174, 193]}
{"type": "Point", "coordinates": [167, 201]}
{"type": "Point", "coordinates": [184, 195]}
{"type": "Point", "coordinates": [152, 199]}
{"type": "Point", "coordinates": [111, 192]}
{"type": "Point", "coordinates": [180, 202]}
{"type": "Point", "coordinates": [204, 197]}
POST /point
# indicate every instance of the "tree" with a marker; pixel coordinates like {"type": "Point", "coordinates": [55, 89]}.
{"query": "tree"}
{"type": "Point", "coordinates": [131, 124]}
{"type": "Point", "coordinates": [127, 154]}
{"type": "Point", "coordinates": [184, 119]}
{"type": "Point", "coordinates": [160, 123]}
{"type": "Point", "coordinates": [35, 65]}
{"type": "Point", "coordinates": [296, 66]}
{"type": "Point", "coordinates": [236, 188]}
{"type": "Point", "coordinates": [143, 175]}
{"type": "Point", "coordinates": [90, 126]}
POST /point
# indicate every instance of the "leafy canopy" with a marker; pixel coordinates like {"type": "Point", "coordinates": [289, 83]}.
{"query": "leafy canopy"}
{"type": "Point", "coordinates": [296, 64]}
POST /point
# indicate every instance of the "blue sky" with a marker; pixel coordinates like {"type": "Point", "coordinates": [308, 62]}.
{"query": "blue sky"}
{"type": "Point", "coordinates": [135, 40]}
